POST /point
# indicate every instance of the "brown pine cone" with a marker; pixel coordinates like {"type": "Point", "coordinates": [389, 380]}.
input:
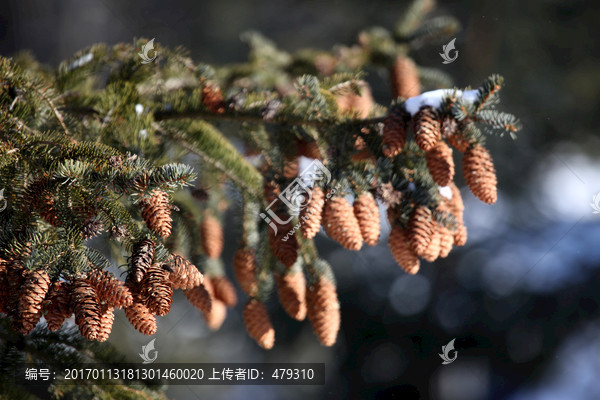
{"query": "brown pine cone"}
{"type": "Point", "coordinates": [440, 163]}
{"type": "Point", "coordinates": [31, 296]}
{"type": "Point", "coordinates": [460, 235]}
{"type": "Point", "coordinates": [47, 209]}
{"type": "Point", "coordinates": [291, 289]}
{"type": "Point", "coordinates": [244, 268]}
{"type": "Point", "coordinates": [212, 236]}
{"type": "Point", "coordinates": [394, 134]}
{"type": "Point", "coordinates": [349, 102]}
{"type": "Point", "coordinates": [403, 254]}
{"type": "Point", "coordinates": [109, 289]}
{"type": "Point", "coordinates": [340, 223]}
{"type": "Point", "coordinates": [446, 241]}
{"type": "Point", "coordinates": [366, 212]}
{"type": "Point", "coordinates": [309, 149]}
{"type": "Point", "coordinates": [456, 203]}
{"type": "Point", "coordinates": [427, 128]}
{"type": "Point", "coordinates": [107, 317]}
{"type": "Point", "coordinates": [156, 290]}
{"type": "Point", "coordinates": [290, 168]}
{"type": "Point", "coordinates": [141, 319]}
{"type": "Point", "coordinates": [224, 290]}
{"type": "Point", "coordinates": [199, 297]}
{"type": "Point", "coordinates": [141, 259]}
{"type": "Point", "coordinates": [283, 243]}
{"type": "Point", "coordinates": [432, 252]}
{"type": "Point", "coordinates": [185, 275]}
{"type": "Point", "coordinates": [156, 211]}
{"type": "Point", "coordinates": [479, 173]}
{"type": "Point", "coordinates": [310, 216]}
{"type": "Point", "coordinates": [405, 78]}
{"type": "Point", "coordinates": [218, 310]}
{"type": "Point", "coordinates": [258, 324]}
{"type": "Point", "coordinates": [57, 305]}
{"type": "Point", "coordinates": [212, 98]}
{"type": "Point", "coordinates": [86, 307]}
{"type": "Point", "coordinates": [420, 230]}
{"type": "Point", "coordinates": [323, 310]}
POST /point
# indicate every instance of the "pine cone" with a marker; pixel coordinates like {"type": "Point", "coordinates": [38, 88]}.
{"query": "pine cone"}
{"type": "Point", "coordinates": [244, 269]}
{"type": "Point", "coordinates": [283, 244]}
{"type": "Point", "coordinates": [441, 163]}
{"type": "Point", "coordinates": [107, 317]}
{"type": "Point", "coordinates": [310, 216]}
{"type": "Point", "coordinates": [394, 134]}
{"type": "Point", "coordinates": [323, 310]}
{"type": "Point", "coordinates": [15, 279]}
{"type": "Point", "coordinates": [224, 290]}
{"type": "Point", "coordinates": [446, 241]}
{"type": "Point", "coordinates": [109, 289]}
{"type": "Point", "coordinates": [58, 305]}
{"type": "Point", "coordinates": [141, 259]}
{"type": "Point", "coordinates": [479, 173]}
{"type": "Point", "coordinates": [420, 230]}
{"type": "Point", "coordinates": [31, 297]}
{"type": "Point", "coordinates": [47, 209]}
{"type": "Point", "coordinates": [366, 212]}
{"type": "Point", "coordinates": [405, 78]}
{"type": "Point", "coordinates": [456, 203]}
{"type": "Point", "coordinates": [309, 149]}
{"type": "Point", "coordinates": [432, 251]}
{"type": "Point", "coordinates": [349, 102]}
{"type": "Point", "coordinates": [460, 235]}
{"type": "Point", "coordinates": [199, 297]}
{"type": "Point", "coordinates": [212, 98]}
{"type": "Point", "coordinates": [212, 236]}
{"type": "Point", "coordinates": [156, 290]}
{"type": "Point", "coordinates": [141, 319]}
{"type": "Point", "coordinates": [427, 128]}
{"type": "Point", "coordinates": [91, 228]}
{"type": "Point", "coordinates": [185, 275]}
{"type": "Point", "coordinates": [156, 211]}
{"type": "Point", "coordinates": [403, 254]}
{"type": "Point", "coordinates": [291, 289]}
{"type": "Point", "coordinates": [341, 224]}
{"type": "Point", "coordinates": [258, 324]}
{"type": "Point", "coordinates": [86, 307]}
{"type": "Point", "coordinates": [290, 168]}
{"type": "Point", "coordinates": [218, 310]}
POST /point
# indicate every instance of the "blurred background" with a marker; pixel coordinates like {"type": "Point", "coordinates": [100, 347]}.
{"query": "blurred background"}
{"type": "Point", "coordinates": [520, 299]}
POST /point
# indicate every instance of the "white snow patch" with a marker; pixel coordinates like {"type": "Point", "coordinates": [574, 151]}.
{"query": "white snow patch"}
{"type": "Point", "coordinates": [446, 192]}
{"type": "Point", "coordinates": [434, 98]}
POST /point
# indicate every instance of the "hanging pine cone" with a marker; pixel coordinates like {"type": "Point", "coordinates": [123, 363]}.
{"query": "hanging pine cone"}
{"type": "Point", "coordinates": [199, 297]}
{"type": "Point", "coordinates": [291, 289]}
{"type": "Point", "coordinates": [456, 203]}
{"type": "Point", "coordinates": [400, 246]}
{"type": "Point", "coordinates": [440, 163]}
{"type": "Point", "coordinates": [420, 230]}
{"type": "Point", "coordinates": [57, 305]}
{"type": "Point", "coordinates": [156, 211]}
{"type": "Point", "coordinates": [141, 319]}
{"type": "Point", "coordinates": [479, 173]}
{"type": "Point", "coordinates": [141, 259]}
{"type": "Point", "coordinates": [31, 297]}
{"type": "Point", "coordinates": [212, 98]}
{"type": "Point", "coordinates": [156, 290]}
{"type": "Point", "coordinates": [86, 307]}
{"type": "Point", "coordinates": [323, 310]}
{"type": "Point", "coordinates": [446, 241]}
{"type": "Point", "coordinates": [350, 102]}
{"type": "Point", "coordinates": [366, 212]}
{"type": "Point", "coordinates": [224, 290]}
{"type": "Point", "coordinates": [460, 235]}
{"type": "Point", "coordinates": [258, 324]}
{"type": "Point", "coordinates": [283, 243]}
{"type": "Point", "coordinates": [185, 275]}
{"type": "Point", "coordinates": [109, 289]}
{"type": "Point", "coordinates": [427, 128]}
{"type": "Point", "coordinates": [310, 216]}
{"type": "Point", "coordinates": [218, 310]}
{"type": "Point", "coordinates": [47, 209]}
{"type": "Point", "coordinates": [405, 78]}
{"type": "Point", "coordinates": [432, 251]}
{"type": "Point", "coordinates": [290, 168]}
{"type": "Point", "coordinates": [107, 317]}
{"type": "Point", "coordinates": [212, 236]}
{"type": "Point", "coordinates": [244, 268]}
{"type": "Point", "coordinates": [309, 148]}
{"type": "Point", "coordinates": [91, 228]}
{"type": "Point", "coordinates": [340, 224]}
{"type": "Point", "coordinates": [394, 134]}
